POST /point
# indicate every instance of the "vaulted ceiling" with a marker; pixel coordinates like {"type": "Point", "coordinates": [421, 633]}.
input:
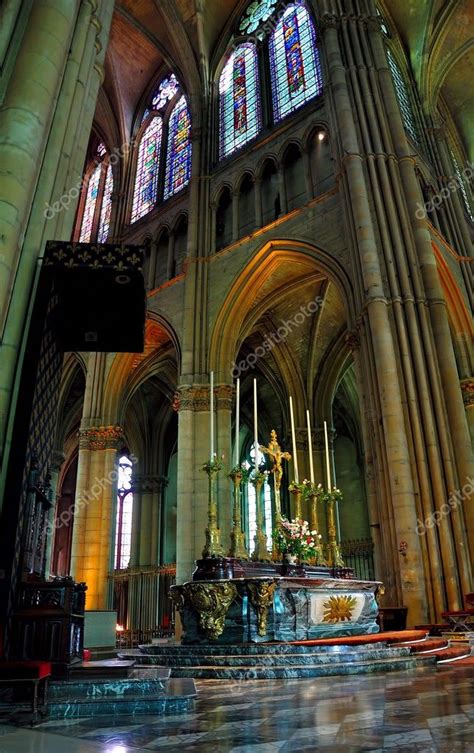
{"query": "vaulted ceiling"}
{"type": "Point", "coordinates": [150, 36]}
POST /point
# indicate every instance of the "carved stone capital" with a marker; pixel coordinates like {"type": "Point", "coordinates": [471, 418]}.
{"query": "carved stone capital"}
{"type": "Point", "coordinates": [373, 23]}
{"type": "Point", "coordinates": [328, 21]}
{"type": "Point", "coordinates": [193, 397]}
{"type": "Point", "coordinates": [467, 388]}
{"type": "Point", "coordinates": [224, 396]}
{"type": "Point", "coordinates": [318, 441]}
{"type": "Point", "coordinates": [101, 438]}
{"type": "Point", "coordinates": [57, 459]}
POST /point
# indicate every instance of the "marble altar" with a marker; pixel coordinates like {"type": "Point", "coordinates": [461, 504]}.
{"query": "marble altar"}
{"type": "Point", "coordinates": [259, 609]}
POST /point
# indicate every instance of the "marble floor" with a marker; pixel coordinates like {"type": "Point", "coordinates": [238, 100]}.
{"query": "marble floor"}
{"type": "Point", "coordinates": [425, 711]}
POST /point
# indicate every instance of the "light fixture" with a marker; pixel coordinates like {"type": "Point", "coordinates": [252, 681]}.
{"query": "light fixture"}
{"type": "Point", "coordinates": [321, 135]}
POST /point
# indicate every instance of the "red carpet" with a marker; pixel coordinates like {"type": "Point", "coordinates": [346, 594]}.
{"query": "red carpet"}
{"type": "Point", "coordinates": [400, 636]}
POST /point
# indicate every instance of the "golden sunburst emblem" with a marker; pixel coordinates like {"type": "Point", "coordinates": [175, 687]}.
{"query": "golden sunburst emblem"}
{"type": "Point", "coordinates": [339, 608]}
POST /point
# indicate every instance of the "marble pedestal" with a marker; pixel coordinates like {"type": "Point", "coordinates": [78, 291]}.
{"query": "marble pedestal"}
{"type": "Point", "coordinates": [242, 610]}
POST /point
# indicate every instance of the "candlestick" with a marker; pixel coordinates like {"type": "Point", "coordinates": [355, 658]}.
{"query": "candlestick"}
{"type": "Point", "coordinates": [293, 438]}
{"type": "Point", "coordinates": [237, 422]}
{"type": "Point", "coordinates": [328, 467]}
{"type": "Point", "coordinates": [211, 416]}
{"type": "Point", "coordinates": [310, 449]}
{"type": "Point", "coordinates": [255, 422]}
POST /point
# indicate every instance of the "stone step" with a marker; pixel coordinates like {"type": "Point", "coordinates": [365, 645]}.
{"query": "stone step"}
{"type": "Point", "coordinates": [186, 658]}
{"type": "Point", "coordinates": [177, 697]}
{"type": "Point", "coordinates": [107, 668]}
{"type": "Point", "coordinates": [99, 689]}
{"type": "Point", "coordinates": [279, 672]}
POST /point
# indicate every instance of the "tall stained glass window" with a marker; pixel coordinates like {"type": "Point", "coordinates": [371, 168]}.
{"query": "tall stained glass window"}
{"type": "Point", "coordinates": [178, 153]}
{"type": "Point", "coordinates": [146, 179]}
{"type": "Point", "coordinates": [90, 204]}
{"type": "Point", "coordinates": [106, 209]}
{"type": "Point", "coordinates": [294, 61]}
{"type": "Point", "coordinates": [239, 99]}
{"type": "Point", "coordinates": [252, 505]}
{"type": "Point", "coordinates": [403, 96]}
{"type": "Point", "coordinates": [123, 523]}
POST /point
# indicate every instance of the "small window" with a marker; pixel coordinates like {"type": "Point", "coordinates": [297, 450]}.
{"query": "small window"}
{"type": "Point", "coordinates": [123, 525]}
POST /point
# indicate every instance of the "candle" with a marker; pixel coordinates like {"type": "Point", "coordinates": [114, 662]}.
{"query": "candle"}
{"type": "Point", "coordinates": [293, 437]}
{"type": "Point", "coordinates": [255, 422]}
{"type": "Point", "coordinates": [328, 467]}
{"type": "Point", "coordinates": [310, 449]}
{"type": "Point", "coordinates": [211, 416]}
{"type": "Point", "coordinates": [237, 421]}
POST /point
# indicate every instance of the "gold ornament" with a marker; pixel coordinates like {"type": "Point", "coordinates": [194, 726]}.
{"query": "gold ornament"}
{"type": "Point", "coordinates": [261, 596]}
{"type": "Point", "coordinates": [211, 601]}
{"type": "Point", "coordinates": [339, 608]}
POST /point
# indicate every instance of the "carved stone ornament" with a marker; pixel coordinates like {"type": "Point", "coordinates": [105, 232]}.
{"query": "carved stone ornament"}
{"type": "Point", "coordinates": [261, 597]}
{"type": "Point", "coordinates": [224, 394]}
{"type": "Point", "coordinates": [101, 438]}
{"type": "Point", "coordinates": [211, 601]}
{"type": "Point", "coordinates": [149, 483]}
{"type": "Point", "coordinates": [192, 397]}
{"type": "Point", "coordinates": [328, 21]}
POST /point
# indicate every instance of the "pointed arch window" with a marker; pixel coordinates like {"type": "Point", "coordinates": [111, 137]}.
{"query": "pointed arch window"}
{"type": "Point", "coordinates": [145, 192]}
{"type": "Point", "coordinates": [239, 99]}
{"type": "Point", "coordinates": [178, 152]}
{"type": "Point", "coordinates": [404, 100]}
{"type": "Point", "coordinates": [295, 67]}
{"type": "Point", "coordinates": [252, 504]}
{"type": "Point", "coordinates": [97, 207]}
{"type": "Point", "coordinates": [123, 523]}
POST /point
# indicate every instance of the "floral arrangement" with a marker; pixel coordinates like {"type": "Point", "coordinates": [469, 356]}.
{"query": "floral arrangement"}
{"type": "Point", "coordinates": [294, 537]}
{"type": "Point", "coordinates": [216, 465]}
{"type": "Point", "coordinates": [335, 495]}
{"type": "Point", "coordinates": [240, 470]}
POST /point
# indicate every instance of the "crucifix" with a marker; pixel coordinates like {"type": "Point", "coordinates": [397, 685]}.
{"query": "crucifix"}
{"type": "Point", "coordinates": [276, 455]}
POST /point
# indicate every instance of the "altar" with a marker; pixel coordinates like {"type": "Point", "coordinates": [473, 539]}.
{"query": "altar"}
{"type": "Point", "coordinates": [262, 609]}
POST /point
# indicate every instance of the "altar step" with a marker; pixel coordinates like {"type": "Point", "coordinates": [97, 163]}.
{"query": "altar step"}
{"type": "Point", "coordinates": [320, 658]}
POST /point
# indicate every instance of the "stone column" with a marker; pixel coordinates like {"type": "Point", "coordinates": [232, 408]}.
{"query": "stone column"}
{"type": "Point", "coordinates": [170, 261]}
{"type": "Point", "coordinates": [307, 175]}
{"type": "Point", "coordinates": [282, 190]}
{"type": "Point", "coordinates": [379, 328]}
{"type": "Point", "coordinates": [147, 496]}
{"type": "Point", "coordinates": [258, 202]}
{"type": "Point", "coordinates": [224, 397]}
{"type": "Point", "coordinates": [192, 492]}
{"type": "Point", "coordinates": [94, 504]}
{"type": "Point", "coordinates": [235, 216]}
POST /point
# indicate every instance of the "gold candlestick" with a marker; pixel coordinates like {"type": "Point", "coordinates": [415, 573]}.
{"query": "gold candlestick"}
{"type": "Point", "coordinates": [260, 552]}
{"type": "Point", "coordinates": [313, 509]}
{"type": "Point", "coordinates": [237, 536]}
{"type": "Point", "coordinates": [213, 546]}
{"type": "Point", "coordinates": [297, 502]}
{"type": "Point", "coordinates": [334, 553]}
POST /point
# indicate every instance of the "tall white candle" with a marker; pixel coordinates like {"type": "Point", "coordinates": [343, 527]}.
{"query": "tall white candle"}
{"type": "Point", "coordinates": [211, 416]}
{"type": "Point", "coordinates": [293, 438]}
{"type": "Point", "coordinates": [310, 449]}
{"type": "Point", "coordinates": [255, 422]}
{"type": "Point", "coordinates": [237, 421]}
{"type": "Point", "coordinates": [328, 466]}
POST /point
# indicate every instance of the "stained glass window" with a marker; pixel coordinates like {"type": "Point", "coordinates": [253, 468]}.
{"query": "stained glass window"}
{"type": "Point", "coordinates": [123, 523]}
{"type": "Point", "coordinates": [106, 208]}
{"type": "Point", "coordinates": [90, 204]}
{"type": "Point", "coordinates": [252, 505]}
{"type": "Point", "coordinates": [256, 13]}
{"type": "Point", "coordinates": [166, 91]}
{"type": "Point", "coordinates": [403, 96]}
{"type": "Point", "coordinates": [462, 186]}
{"type": "Point", "coordinates": [240, 115]}
{"type": "Point", "coordinates": [294, 61]}
{"type": "Point", "coordinates": [178, 153]}
{"type": "Point", "coordinates": [146, 179]}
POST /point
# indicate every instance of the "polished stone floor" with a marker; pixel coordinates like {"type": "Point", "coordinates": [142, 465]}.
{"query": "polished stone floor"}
{"type": "Point", "coordinates": [427, 711]}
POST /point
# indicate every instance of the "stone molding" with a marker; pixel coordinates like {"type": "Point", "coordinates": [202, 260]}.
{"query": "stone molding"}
{"type": "Point", "coordinates": [224, 396]}
{"type": "Point", "coordinates": [101, 438]}
{"type": "Point", "coordinates": [195, 397]}
{"type": "Point", "coordinates": [149, 483]}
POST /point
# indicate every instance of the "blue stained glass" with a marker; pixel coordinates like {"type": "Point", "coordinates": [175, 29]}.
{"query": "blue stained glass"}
{"type": "Point", "coordinates": [90, 204]}
{"type": "Point", "coordinates": [294, 61]}
{"type": "Point", "coordinates": [403, 96]}
{"type": "Point", "coordinates": [178, 157]}
{"type": "Point", "coordinates": [146, 180]}
{"type": "Point", "coordinates": [239, 99]}
{"type": "Point", "coordinates": [106, 209]}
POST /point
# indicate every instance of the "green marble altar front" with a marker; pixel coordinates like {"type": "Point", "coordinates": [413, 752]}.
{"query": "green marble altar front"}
{"type": "Point", "coordinates": [259, 609]}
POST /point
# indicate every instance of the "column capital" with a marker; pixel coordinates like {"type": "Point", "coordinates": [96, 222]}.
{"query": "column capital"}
{"type": "Point", "coordinates": [101, 438]}
{"type": "Point", "coordinates": [57, 459]}
{"type": "Point", "coordinates": [352, 340]}
{"type": "Point", "coordinates": [319, 443]}
{"type": "Point", "coordinates": [224, 394]}
{"type": "Point", "coordinates": [193, 397]}
{"type": "Point", "coordinates": [329, 21]}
